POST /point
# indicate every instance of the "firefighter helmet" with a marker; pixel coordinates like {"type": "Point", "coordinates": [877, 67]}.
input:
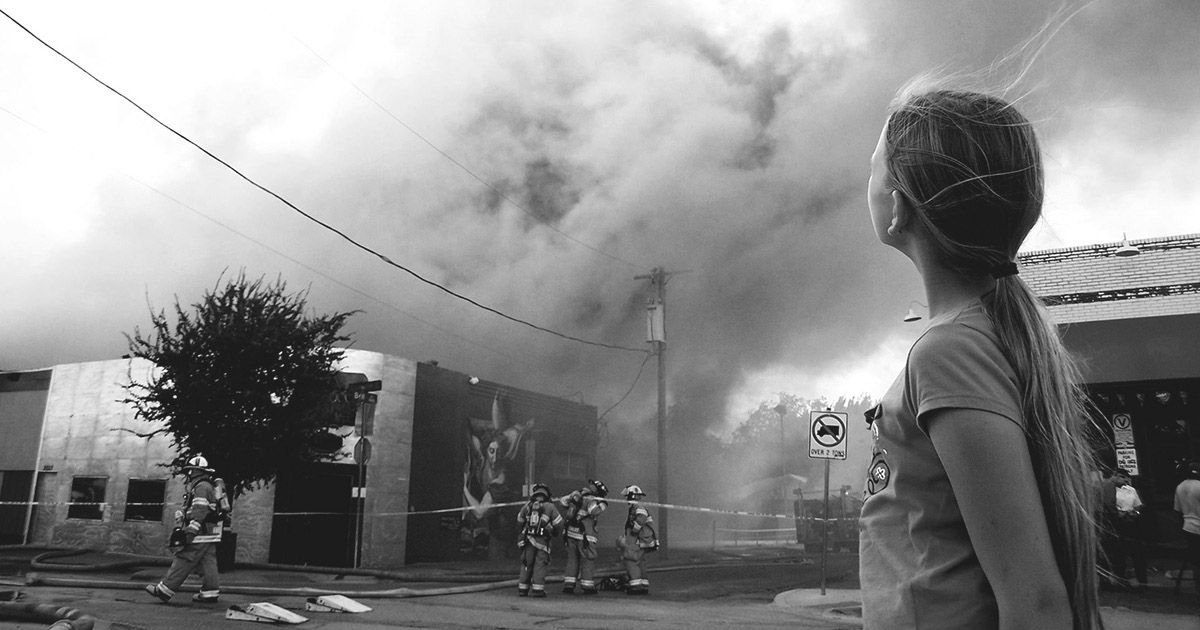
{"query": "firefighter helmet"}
{"type": "Point", "coordinates": [542, 489]}
{"type": "Point", "coordinates": [632, 492]}
{"type": "Point", "coordinates": [197, 463]}
{"type": "Point", "coordinates": [598, 488]}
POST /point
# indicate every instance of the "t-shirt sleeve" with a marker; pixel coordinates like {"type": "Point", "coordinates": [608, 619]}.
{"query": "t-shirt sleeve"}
{"type": "Point", "coordinates": [955, 366]}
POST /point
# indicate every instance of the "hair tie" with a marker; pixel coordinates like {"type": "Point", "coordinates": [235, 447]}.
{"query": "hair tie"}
{"type": "Point", "coordinates": [1005, 270]}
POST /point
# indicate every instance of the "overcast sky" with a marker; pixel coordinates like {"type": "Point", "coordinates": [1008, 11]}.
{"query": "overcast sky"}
{"type": "Point", "coordinates": [727, 139]}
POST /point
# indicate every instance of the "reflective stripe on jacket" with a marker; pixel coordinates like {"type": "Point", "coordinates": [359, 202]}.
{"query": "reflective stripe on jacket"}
{"type": "Point", "coordinates": [539, 525]}
{"type": "Point", "coordinates": [200, 501]}
{"type": "Point", "coordinates": [638, 526]}
{"type": "Point", "coordinates": [583, 510]}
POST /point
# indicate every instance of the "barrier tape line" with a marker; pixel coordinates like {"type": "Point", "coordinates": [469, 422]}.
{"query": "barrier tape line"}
{"type": "Point", "coordinates": [461, 509]}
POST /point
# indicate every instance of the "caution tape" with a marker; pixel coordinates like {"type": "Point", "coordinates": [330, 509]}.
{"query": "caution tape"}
{"type": "Point", "coordinates": [451, 510]}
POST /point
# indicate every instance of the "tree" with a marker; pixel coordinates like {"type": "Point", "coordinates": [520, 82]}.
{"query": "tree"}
{"type": "Point", "coordinates": [247, 378]}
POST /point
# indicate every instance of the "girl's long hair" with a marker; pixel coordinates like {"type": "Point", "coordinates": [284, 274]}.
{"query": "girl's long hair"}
{"type": "Point", "coordinates": [970, 165]}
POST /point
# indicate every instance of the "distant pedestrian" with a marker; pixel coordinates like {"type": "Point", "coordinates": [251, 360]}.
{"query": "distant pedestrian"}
{"type": "Point", "coordinates": [1187, 503]}
{"type": "Point", "coordinates": [638, 540]}
{"type": "Point", "coordinates": [198, 529]}
{"type": "Point", "coordinates": [1129, 531]}
{"type": "Point", "coordinates": [539, 522]}
{"type": "Point", "coordinates": [583, 508]}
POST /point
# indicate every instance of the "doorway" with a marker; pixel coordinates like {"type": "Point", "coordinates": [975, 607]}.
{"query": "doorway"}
{"type": "Point", "coordinates": [315, 516]}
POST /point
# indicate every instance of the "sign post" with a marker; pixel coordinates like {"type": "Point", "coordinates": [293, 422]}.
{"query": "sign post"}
{"type": "Point", "coordinates": [1122, 427]}
{"type": "Point", "coordinates": [827, 441]}
{"type": "Point", "coordinates": [362, 455]}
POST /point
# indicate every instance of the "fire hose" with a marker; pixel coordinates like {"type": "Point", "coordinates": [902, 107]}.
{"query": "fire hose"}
{"type": "Point", "coordinates": [65, 618]}
{"type": "Point", "coordinates": [59, 617]}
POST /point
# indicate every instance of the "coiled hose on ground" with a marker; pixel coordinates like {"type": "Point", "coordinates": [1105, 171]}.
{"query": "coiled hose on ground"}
{"type": "Point", "coordinates": [59, 617]}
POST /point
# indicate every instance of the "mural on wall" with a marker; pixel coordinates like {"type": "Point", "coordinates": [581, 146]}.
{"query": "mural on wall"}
{"type": "Point", "coordinates": [490, 473]}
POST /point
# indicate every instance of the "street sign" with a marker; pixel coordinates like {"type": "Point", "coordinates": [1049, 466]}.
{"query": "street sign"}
{"type": "Point", "coordinates": [1127, 459]}
{"type": "Point", "coordinates": [827, 434]}
{"type": "Point", "coordinates": [1122, 426]}
{"type": "Point", "coordinates": [362, 451]}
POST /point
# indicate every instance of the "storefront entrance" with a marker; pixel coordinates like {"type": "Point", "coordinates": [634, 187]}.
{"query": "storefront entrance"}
{"type": "Point", "coordinates": [315, 516]}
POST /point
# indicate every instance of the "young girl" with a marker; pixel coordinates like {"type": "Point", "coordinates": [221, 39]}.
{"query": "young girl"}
{"type": "Point", "coordinates": [978, 511]}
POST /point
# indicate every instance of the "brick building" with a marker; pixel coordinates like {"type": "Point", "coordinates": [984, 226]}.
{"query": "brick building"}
{"type": "Point", "coordinates": [1131, 311]}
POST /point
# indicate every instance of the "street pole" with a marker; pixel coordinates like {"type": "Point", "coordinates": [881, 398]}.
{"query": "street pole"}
{"type": "Point", "coordinates": [782, 409]}
{"type": "Point", "coordinates": [662, 443]}
{"type": "Point", "coordinates": [657, 336]}
{"type": "Point", "coordinates": [825, 531]}
{"type": "Point", "coordinates": [359, 508]}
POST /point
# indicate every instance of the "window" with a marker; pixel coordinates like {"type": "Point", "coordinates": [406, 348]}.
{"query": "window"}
{"type": "Point", "coordinates": [144, 501]}
{"type": "Point", "coordinates": [570, 465]}
{"type": "Point", "coordinates": [87, 495]}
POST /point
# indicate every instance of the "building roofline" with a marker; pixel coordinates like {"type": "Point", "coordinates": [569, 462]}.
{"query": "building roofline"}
{"type": "Point", "coordinates": [1104, 250]}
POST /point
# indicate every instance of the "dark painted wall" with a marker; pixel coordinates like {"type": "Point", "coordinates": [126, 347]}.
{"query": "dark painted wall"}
{"type": "Point", "coordinates": [446, 461]}
{"type": "Point", "coordinates": [439, 406]}
{"type": "Point", "coordinates": [1165, 418]}
{"type": "Point", "coordinates": [22, 409]}
{"type": "Point", "coordinates": [1145, 348]}
{"type": "Point", "coordinates": [1148, 368]}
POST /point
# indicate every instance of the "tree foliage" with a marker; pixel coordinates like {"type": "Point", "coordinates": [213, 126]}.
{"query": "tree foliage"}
{"type": "Point", "coordinates": [246, 377]}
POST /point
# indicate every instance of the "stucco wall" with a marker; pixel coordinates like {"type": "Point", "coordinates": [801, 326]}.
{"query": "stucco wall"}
{"type": "Point", "coordinates": [89, 432]}
{"type": "Point", "coordinates": [385, 521]}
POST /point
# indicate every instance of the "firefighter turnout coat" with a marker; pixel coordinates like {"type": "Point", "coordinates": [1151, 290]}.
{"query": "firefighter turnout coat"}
{"type": "Point", "coordinates": [539, 523]}
{"type": "Point", "coordinates": [201, 521]}
{"type": "Point", "coordinates": [582, 510]}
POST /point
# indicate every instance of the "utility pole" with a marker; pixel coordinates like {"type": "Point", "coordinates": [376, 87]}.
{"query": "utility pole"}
{"type": "Point", "coordinates": [656, 309]}
{"type": "Point", "coordinates": [781, 409]}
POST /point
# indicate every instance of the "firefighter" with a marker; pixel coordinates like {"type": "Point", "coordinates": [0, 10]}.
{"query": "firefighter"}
{"type": "Point", "coordinates": [582, 508]}
{"type": "Point", "coordinates": [198, 528]}
{"type": "Point", "coordinates": [638, 540]}
{"type": "Point", "coordinates": [539, 522]}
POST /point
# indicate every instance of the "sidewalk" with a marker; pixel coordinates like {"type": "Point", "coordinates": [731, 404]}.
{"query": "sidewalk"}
{"type": "Point", "coordinates": [844, 605]}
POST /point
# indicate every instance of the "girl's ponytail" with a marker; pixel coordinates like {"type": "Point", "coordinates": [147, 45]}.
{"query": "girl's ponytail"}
{"type": "Point", "coordinates": [1057, 431]}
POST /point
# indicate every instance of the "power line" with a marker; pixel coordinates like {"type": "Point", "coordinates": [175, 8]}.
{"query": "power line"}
{"type": "Point", "coordinates": [268, 247]}
{"type": "Point", "coordinates": [631, 386]}
{"type": "Point", "coordinates": [601, 423]}
{"type": "Point", "coordinates": [281, 254]}
{"type": "Point", "coordinates": [308, 216]}
{"type": "Point", "coordinates": [460, 164]}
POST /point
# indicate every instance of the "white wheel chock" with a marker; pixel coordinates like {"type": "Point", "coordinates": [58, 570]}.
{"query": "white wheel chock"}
{"type": "Point", "coordinates": [335, 603]}
{"type": "Point", "coordinates": [263, 612]}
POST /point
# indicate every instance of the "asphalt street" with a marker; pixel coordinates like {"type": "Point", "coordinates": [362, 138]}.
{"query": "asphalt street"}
{"type": "Point", "coordinates": [744, 587]}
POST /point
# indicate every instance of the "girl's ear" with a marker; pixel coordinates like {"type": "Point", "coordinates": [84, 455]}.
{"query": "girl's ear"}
{"type": "Point", "coordinates": [901, 213]}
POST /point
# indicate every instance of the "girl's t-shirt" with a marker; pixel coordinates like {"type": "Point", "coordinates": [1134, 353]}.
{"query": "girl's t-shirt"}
{"type": "Point", "coordinates": [917, 567]}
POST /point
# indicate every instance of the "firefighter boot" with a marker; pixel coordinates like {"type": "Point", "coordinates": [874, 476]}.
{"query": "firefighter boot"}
{"type": "Point", "coordinates": [161, 592]}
